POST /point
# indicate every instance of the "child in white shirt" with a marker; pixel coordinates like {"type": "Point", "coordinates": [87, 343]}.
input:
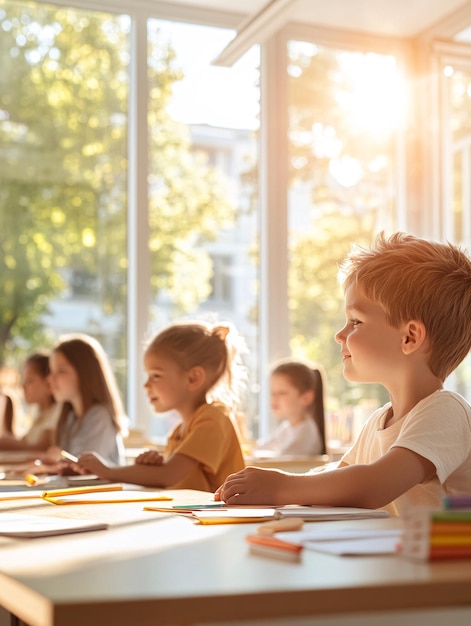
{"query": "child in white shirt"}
{"type": "Point", "coordinates": [408, 326]}
{"type": "Point", "coordinates": [297, 400]}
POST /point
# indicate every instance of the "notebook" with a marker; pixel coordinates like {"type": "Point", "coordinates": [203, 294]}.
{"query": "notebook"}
{"type": "Point", "coordinates": [345, 542]}
{"type": "Point", "coordinates": [29, 526]}
{"type": "Point", "coordinates": [246, 514]}
{"type": "Point", "coordinates": [328, 513]}
{"type": "Point", "coordinates": [233, 515]}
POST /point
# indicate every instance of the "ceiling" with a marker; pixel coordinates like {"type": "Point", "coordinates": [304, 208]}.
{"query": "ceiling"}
{"type": "Point", "coordinates": [398, 18]}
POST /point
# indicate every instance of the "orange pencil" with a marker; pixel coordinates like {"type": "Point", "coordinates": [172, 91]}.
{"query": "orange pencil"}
{"type": "Point", "coordinates": [450, 528]}
{"type": "Point", "coordinates": [269, 546]}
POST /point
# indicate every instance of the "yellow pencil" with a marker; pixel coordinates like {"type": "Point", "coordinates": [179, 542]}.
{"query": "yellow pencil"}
{"type": "Point", "coordinates": [31, 479]}
{"type": "Point", "coordinates": [78, 490]}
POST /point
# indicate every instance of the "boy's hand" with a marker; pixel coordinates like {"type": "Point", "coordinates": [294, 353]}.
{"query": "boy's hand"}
{"type": "Point", "coordinates": [92, 463]}
{"type": "Point", "coordinates": [149, 457]}
{"type": "Point", "coordinates": [252, 485]}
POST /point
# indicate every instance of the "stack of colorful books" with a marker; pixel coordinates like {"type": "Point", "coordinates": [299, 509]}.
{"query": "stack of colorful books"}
{"type": "Point", "coordinates": [433, 534]}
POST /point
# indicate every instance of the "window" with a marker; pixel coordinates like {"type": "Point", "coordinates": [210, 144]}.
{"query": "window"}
{"type": "Point", "coordinates": [221, 282]}
{"type": "Point", "coordinates": [344, 112]}
{"type": "Point", "coordinates": [454, 216]}
{"type": "Point", "coordinates": [202, 198]}
{"type": "Point", "coordinates": [63, 176]}
{"type": "Point", "coordinates": [130, 199]}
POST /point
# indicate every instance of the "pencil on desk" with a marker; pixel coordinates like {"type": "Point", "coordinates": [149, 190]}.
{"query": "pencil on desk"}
{"type": "Point", "coordinates": [78, 490]}
{"type": "Point", "coordinates": [264, 545]}
{"type": "Point", "coordinates": [31, 479]}
{"type": "Point", "coordinates": [67, 456]}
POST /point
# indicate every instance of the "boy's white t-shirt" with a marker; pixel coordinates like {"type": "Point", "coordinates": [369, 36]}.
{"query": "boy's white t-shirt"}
{"type": "Point", "coordinates": [439, 429]}
{"type": "Point", "coordinates": [301, 439]}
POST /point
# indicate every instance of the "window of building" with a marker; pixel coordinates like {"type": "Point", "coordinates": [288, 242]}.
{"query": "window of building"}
{"type": "Point", "coordinates": [221, 280]}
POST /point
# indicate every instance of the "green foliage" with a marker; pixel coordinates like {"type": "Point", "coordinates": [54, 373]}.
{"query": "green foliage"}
{"type": "Point", "coordinates": [316, 298]}
{"type": "Point", "coordinates": [63, 170]}
{"type": "Point", "coordinates": [338, 215]}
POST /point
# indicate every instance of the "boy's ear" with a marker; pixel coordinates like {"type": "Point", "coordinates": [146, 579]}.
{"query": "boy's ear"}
{"type": "Point", "coordinates": [414, 336]}
{"type": "Point", "coordinates": [196, 377]}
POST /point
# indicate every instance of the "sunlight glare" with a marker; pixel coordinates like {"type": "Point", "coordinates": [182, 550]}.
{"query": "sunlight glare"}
{"type": "Point", "coordinates": [346, 170]}
{"type": "Point", "coordinates": [448, 71]}
{"type": "Point", "coordinates": [378, 98]}
{"type": "Point", "coordinates": [207, 94]}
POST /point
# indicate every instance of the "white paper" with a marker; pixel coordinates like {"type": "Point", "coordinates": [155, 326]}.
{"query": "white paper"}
{"type": "Point", "coordinates": [20, 525]}
{"type": "Point", "coordinates": [329, 512]}
{"type": "Point", "coordinates": [345, 541]}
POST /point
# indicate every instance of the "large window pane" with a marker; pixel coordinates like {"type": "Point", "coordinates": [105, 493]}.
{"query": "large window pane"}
{"type": "Point", "coordinates": [456, 132]}
{"type": "Point", "coordinates": [344, 111]}
{"type": "Point", "coordinates": [63, 178]}
{"type": "Point", "coordinates": [202, 205]}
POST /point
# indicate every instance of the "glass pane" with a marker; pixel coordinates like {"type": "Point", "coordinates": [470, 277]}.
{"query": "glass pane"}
{"type": "Point", "coordinates": [63, 171]}
{"type": "Point", "coordinates": [203, 123]}
{"type": "Point", "coordinates": [344, 112]}
{"type": "Point", "coordinates": [457, 133]}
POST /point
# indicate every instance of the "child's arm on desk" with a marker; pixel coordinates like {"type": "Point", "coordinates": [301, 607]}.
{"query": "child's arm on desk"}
{"type": "Point", "coordinates": [161, 475]}
{"type": "Point", "coordinates": [367, 486]}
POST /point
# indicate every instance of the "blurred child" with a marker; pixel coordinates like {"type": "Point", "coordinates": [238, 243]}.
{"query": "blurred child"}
{"type": "Point", "coordinates": [408, 326]}
{"type": "Point", "coordinates": [297, 400]}
{"type": "Point", "coordinates": [90, 418]}
{"type": "Point", "coordinates": [8, 400]}
{"type": "Point", "coordinates": [37, 391]}
{"type": "Point", "coordinates": [7, 414]}
{"type": "Point", "coordinates": [191, 368]}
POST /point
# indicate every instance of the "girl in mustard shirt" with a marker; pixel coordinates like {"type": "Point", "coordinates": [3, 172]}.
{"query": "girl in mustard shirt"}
{"type": "Point", "coordinates": [195, 369]}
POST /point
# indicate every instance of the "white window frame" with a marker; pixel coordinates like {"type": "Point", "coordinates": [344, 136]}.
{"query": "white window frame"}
{"type": "Point", "coordinates": [457, 55]}
{"type": "Point", "coordinates": [273, 328]}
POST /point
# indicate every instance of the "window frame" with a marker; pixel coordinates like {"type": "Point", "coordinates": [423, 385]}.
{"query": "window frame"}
{"type": "Point", "coordinates": [416, 193]}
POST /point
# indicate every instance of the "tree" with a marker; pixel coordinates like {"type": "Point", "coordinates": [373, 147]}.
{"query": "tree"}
{"type": "Point", "coordinates": [63, 171]}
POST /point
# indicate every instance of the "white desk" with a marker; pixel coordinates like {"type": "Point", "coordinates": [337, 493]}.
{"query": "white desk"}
{"type": "Point", "coordinates": [164, 570]}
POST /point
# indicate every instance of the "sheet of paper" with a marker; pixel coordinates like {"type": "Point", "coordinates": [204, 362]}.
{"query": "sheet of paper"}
{"type": "Point", "coordinates": [346, 542]}
{"type": "Point", "coordinates": [338, 534]}
{"type": "Point", "coordinates": [20, 495]}
{"type": "Point", "coordinates": [233, 515]}
{"type": "Point", "coordinates": [355, 547]}
{"type": "Point", "coordinates": [20, 525]}
{"type": "Point", "coordinates": [329, 513]}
